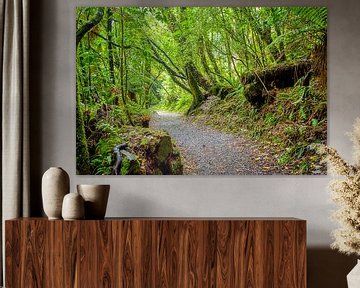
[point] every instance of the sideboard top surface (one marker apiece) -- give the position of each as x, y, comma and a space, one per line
176, 219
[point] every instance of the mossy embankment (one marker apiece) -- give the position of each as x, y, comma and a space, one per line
285, 126
145, 151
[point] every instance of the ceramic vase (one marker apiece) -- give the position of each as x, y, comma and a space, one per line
73, 207
96, 198
353, 278
55, 185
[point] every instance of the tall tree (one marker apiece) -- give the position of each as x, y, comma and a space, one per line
110, 44
82, 152
123, 80
87, 26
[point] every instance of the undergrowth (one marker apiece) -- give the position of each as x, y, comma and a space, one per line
109, 126
294, 119
180, 104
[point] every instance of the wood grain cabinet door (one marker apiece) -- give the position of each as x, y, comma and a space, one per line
141, 253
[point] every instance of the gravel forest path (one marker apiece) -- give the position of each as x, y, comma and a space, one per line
206, 151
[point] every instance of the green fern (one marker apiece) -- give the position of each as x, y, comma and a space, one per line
314, 24
315, 16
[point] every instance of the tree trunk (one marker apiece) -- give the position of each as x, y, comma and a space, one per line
122, 68
110, 46
204, 63
258, 85
211, 57
82, 151
192, 75
84, 77
265, 35
80, 33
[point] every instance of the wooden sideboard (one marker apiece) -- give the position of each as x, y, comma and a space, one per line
156, 252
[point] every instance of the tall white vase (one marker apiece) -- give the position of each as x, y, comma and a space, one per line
55, 185
353, 278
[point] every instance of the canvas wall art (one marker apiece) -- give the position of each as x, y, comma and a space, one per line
200, 90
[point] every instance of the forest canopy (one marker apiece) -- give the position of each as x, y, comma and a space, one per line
132, 61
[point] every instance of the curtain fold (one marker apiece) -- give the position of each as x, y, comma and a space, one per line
15, 154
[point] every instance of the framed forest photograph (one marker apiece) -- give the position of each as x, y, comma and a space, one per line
200, 90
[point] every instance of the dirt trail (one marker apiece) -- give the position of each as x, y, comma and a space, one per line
206, 151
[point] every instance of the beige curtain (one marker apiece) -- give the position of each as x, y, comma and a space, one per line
14, 38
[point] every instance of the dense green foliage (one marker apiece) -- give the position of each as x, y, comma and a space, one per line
132, 61
285, 128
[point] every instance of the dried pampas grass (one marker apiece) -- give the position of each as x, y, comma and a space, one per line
345, 191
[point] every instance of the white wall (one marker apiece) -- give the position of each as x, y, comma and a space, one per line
53, 124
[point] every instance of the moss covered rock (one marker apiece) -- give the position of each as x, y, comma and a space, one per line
155, 150
148, 152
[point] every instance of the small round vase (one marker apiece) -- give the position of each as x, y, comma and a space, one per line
55, 185
73, 207
96, 198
